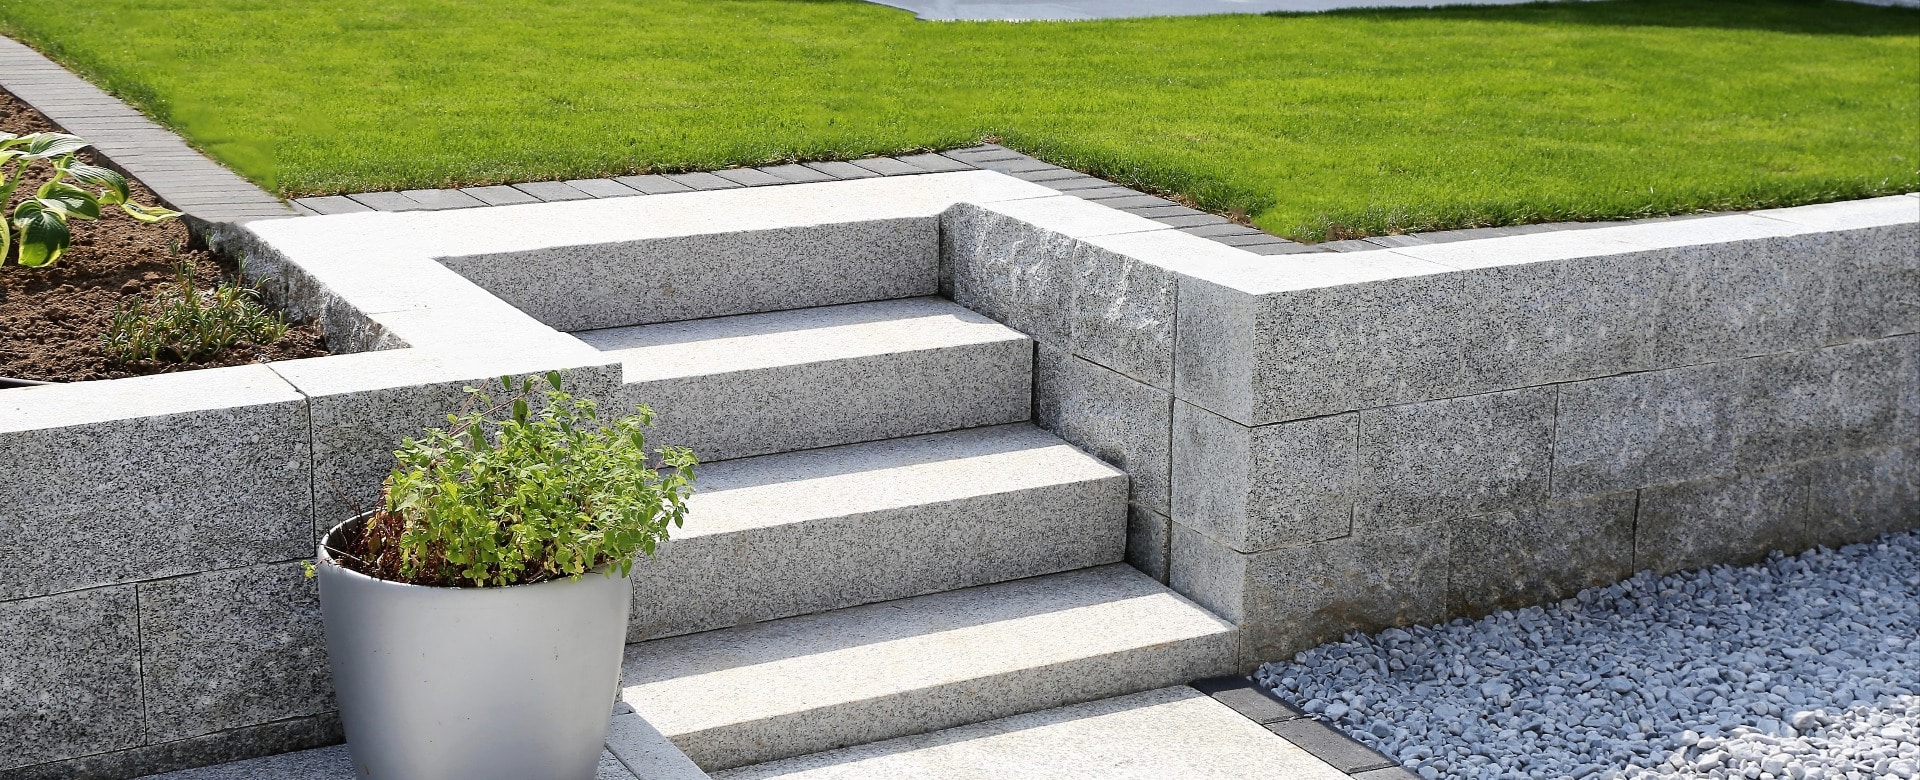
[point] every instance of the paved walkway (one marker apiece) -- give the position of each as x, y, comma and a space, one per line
1070, 10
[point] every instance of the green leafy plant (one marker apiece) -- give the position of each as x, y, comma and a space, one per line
76, 190
183, 323
510, 495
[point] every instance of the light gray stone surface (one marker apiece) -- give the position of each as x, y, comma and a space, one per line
69, 676
1335, 349
1261, 488
754, 384
1742, 298
1808, 404
1173, 732
1212, 574
125, 465
208, 750
1871, 267
1119, 420
639, 750
1299, 597
1855, 497
334, 763
1149, 542
801, 685
1629, 431
782, 535
1733, 519
1442, 460
231, 648
693, 276
1539, 554
1560, 320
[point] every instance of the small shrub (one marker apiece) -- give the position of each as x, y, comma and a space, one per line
40, 222
506, 495
182, 323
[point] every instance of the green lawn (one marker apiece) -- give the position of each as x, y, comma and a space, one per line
1316, 126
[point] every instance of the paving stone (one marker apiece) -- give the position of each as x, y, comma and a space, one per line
888, 166
1253, 702
1149, 541
642, 748
1249, 240
1109, 192
303, 210
72, 676
1158, 212
1185, 221
1624, 432
984, 152
1539, 555
797, 173
385, 201
603, 188
653, 184
156, 512
1257, 489
1169, 733
842, 170
1137, 202
936, 163
1397, 241
703, 181
1223, 228
1328, 744
1017, 165
1116, 419
1079, 184
1354, 245
435, 200
499, 195
1386, 773
231, 648
1441, 460
1282, 248
1732, 520
333, 204
1046, 175
551, 191
749, 177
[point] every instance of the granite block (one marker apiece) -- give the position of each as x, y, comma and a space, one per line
151, 476
603, 188
69, 676
1874, 273
1300, 597
1856, 497
888, 166
1257, 489
1079, 183
1555, 321
1222, 228
646, 753
499, 195
1325, 350
749, 177
1623, 432
1009, 270
1441, 460
802, 532
551, 191
701, 180
386, 201
1743, 298
712, 274
267, 739
333, 204
435, 200
1731, 520
1149, 541
1539, 554
1044, 175
1214, 337
842, 170
652, 184
1117, 419
796, 172
1810, 404
231, 648
936, 163
1212, 574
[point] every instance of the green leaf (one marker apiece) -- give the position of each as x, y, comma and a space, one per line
114, 185
73, 201
43, 234
553, 378
41, 146
148, 214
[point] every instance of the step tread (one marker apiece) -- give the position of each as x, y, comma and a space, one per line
745, 342
1174, 732
817, 682
794, 487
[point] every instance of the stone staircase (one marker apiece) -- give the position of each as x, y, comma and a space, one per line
882, 544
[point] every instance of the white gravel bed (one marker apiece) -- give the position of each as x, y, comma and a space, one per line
1799, 667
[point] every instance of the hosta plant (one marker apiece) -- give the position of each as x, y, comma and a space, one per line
508, 494
38, 224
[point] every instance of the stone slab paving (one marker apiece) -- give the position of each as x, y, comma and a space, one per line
183, 178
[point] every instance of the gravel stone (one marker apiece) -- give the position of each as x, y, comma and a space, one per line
1802, 667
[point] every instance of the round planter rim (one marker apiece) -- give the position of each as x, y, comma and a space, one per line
324, 558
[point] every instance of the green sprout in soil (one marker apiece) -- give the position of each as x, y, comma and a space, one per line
185, 324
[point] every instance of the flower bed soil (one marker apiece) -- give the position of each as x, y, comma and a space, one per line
52, 319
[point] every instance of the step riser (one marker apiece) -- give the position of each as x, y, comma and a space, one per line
706, 582
791, 408
713, 275
948, 706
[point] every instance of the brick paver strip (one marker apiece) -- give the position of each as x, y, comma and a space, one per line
1019, 165
127, 140
1329, 745
1082, 183
436, 200
703, 181
1286, 248
1245, 240
1258, 704
888, 166
1188, 220
1132, 202
1105, 193
1173, 211
936, 163
551, 191
386, 201
1049, 175
1228, 229
653, 184
797, 173
603, 188
751, 177
500, 195
1289, 722
333, 204
842, 170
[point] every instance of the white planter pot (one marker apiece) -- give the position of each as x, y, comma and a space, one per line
473, 683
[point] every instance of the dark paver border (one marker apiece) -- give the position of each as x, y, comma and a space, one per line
1289, 722
126, 140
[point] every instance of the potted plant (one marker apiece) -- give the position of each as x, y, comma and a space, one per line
475, 621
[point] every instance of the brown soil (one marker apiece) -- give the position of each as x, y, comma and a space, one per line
52, 319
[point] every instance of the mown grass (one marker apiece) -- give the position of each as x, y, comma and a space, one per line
1315, 126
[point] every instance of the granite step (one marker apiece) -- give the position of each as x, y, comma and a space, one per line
791, 534
801, 685
756, 384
